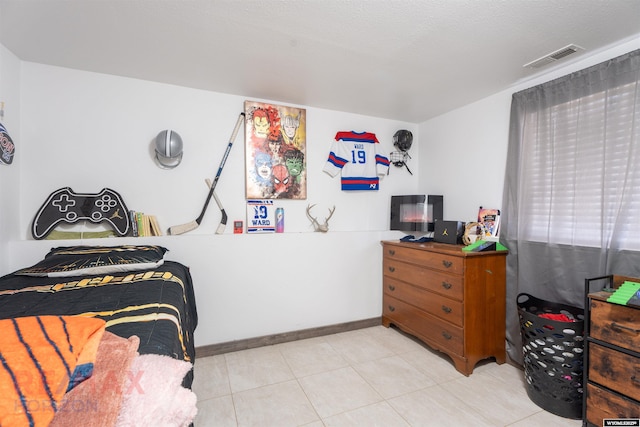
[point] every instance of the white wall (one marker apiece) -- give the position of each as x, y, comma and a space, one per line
10, 174
89, 131
463, 156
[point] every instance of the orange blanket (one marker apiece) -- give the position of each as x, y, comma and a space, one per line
40, 359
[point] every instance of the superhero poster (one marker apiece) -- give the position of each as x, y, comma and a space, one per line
275, 150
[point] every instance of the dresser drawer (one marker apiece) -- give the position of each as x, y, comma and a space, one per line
615, 324
441, 307
615, 370
438, 332
438, 261
444, 284
603, 404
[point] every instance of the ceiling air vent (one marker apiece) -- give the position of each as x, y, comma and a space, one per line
554, 56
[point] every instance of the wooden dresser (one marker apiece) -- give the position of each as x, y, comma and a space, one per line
452, 300
612, 371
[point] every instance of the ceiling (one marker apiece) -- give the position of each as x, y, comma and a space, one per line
408, 60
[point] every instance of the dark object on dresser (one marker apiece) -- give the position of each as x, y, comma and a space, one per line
448, 232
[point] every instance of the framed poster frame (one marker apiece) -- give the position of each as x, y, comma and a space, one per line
275, 151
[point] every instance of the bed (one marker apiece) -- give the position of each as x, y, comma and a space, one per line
134, 314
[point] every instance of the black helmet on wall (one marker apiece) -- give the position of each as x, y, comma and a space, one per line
168, 149
402, 140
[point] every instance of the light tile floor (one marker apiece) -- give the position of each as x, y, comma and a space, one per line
370, 377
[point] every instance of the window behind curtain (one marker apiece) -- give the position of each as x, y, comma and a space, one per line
580, 169
571, 200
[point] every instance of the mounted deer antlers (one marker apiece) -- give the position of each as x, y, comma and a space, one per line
316, 225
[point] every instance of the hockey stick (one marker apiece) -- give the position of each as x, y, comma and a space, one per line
184, 228
223, 220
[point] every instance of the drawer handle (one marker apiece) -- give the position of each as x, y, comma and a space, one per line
392, 269
392, 252
392, 288
618, 326
392, 308
446, 285
446, 335
446, 263
446, 309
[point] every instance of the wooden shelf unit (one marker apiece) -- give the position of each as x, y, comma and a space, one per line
612, 356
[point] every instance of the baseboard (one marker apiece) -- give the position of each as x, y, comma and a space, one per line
228, 347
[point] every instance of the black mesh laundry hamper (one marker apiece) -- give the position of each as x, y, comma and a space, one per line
553, 355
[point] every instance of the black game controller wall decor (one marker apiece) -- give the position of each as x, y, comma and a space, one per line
64, 205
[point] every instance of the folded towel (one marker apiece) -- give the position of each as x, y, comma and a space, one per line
39, 358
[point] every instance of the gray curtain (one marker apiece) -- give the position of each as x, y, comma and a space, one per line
543, 267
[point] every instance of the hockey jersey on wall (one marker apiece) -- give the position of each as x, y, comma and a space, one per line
358, 155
